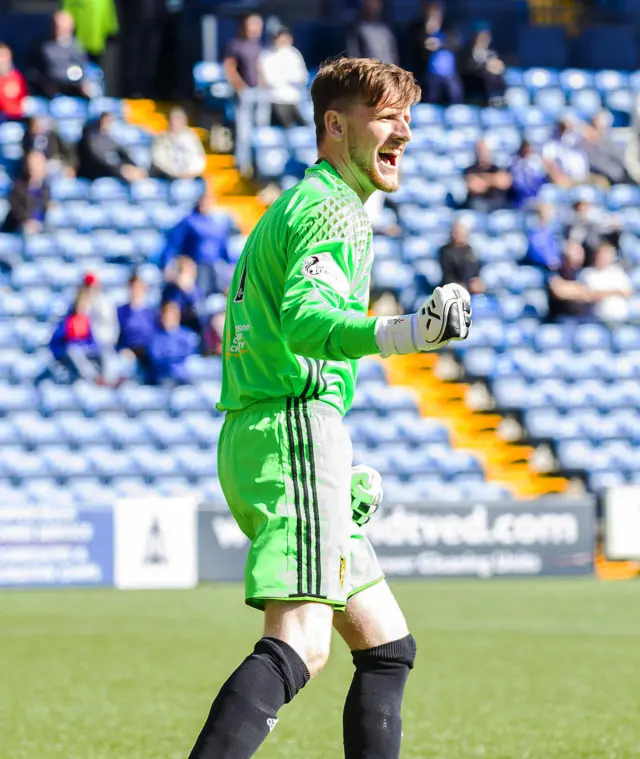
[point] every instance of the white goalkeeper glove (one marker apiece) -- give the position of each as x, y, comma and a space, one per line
366, 493
445, 316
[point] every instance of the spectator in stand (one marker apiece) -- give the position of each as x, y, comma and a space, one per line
182, 289
73, 344
434, 57
569, 299
61, 63
528, 174
103, 314
483, 71
590, 228
136, 321
242, 70
284, 73
545, 244
487, 184
178, 153
169, 348
99, 155
605, 156
41, 137
459, 262
610, 284
371, 37
29, 197
203, 237
13, 87
564, 159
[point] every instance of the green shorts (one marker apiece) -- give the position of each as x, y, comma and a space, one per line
285, 469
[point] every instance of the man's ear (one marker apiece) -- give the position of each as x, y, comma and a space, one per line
334, 125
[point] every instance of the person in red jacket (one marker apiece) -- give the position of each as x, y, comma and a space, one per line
13, 87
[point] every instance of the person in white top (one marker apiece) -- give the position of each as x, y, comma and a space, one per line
284, 73
610, 284
178, 153
564, 159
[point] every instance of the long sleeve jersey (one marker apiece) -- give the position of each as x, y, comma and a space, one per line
296, 318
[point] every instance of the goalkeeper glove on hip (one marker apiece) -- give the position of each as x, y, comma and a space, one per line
444, 317
366, 493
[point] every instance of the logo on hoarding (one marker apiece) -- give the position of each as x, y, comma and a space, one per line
155, 550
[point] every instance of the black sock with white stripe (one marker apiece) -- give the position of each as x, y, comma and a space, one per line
245, 709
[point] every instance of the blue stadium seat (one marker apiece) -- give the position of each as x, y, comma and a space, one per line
586, 102
269, 137
163, 430
47, 492
271, 162
623, 195
147, 190
94, 400
135, 399
100, 105
517, 98
572, 79
206, 73
21, 465
153, 463
195, 462
64, 463
551, 100
62, 107
17, 398
425, 114
187, 398
122, 431
108, 463
35, 106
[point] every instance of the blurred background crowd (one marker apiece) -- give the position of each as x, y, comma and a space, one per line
140, 142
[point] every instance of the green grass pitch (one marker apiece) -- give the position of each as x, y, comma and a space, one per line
528, 669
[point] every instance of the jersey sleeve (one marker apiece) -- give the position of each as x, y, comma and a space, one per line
316, 314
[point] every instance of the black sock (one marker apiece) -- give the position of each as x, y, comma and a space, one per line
245, 709
372, 724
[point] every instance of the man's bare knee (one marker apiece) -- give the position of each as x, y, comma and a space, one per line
372, 618
305, 626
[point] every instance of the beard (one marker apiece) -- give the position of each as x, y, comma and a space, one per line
369, 169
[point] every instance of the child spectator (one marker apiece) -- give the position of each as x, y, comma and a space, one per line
73, 344
183, 291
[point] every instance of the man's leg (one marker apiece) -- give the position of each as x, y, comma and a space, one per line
294, 648
383, 651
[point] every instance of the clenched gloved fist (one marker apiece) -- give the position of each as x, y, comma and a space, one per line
444, 317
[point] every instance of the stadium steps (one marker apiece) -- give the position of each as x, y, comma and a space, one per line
616, 570
235, 195
504, 462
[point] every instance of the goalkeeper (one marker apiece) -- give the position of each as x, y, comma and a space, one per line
296, 325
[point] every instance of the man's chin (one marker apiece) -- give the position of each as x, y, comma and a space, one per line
386, 184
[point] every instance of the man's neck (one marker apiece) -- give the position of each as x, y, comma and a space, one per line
346, 171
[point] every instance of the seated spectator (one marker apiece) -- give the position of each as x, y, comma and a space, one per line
610, 284
29, 197
564, 159
60, 65
178, 153
589, 227
371, 37
459, 262
606, 157
169, 348
40, 136
136, 321
73, 344
483, 71
13, 87
487, 184
545, 249
569, 299
528, 174
99, 155
434, 57
202, 237
182, 289
284, 73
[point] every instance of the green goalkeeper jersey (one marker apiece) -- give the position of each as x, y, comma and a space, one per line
296, 318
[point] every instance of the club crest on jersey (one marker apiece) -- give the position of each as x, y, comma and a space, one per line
321, 267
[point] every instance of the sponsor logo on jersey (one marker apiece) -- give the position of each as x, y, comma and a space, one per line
271, 722
321, 267
343, 570
238, 344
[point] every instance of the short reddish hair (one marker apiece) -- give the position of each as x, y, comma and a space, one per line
360, 80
